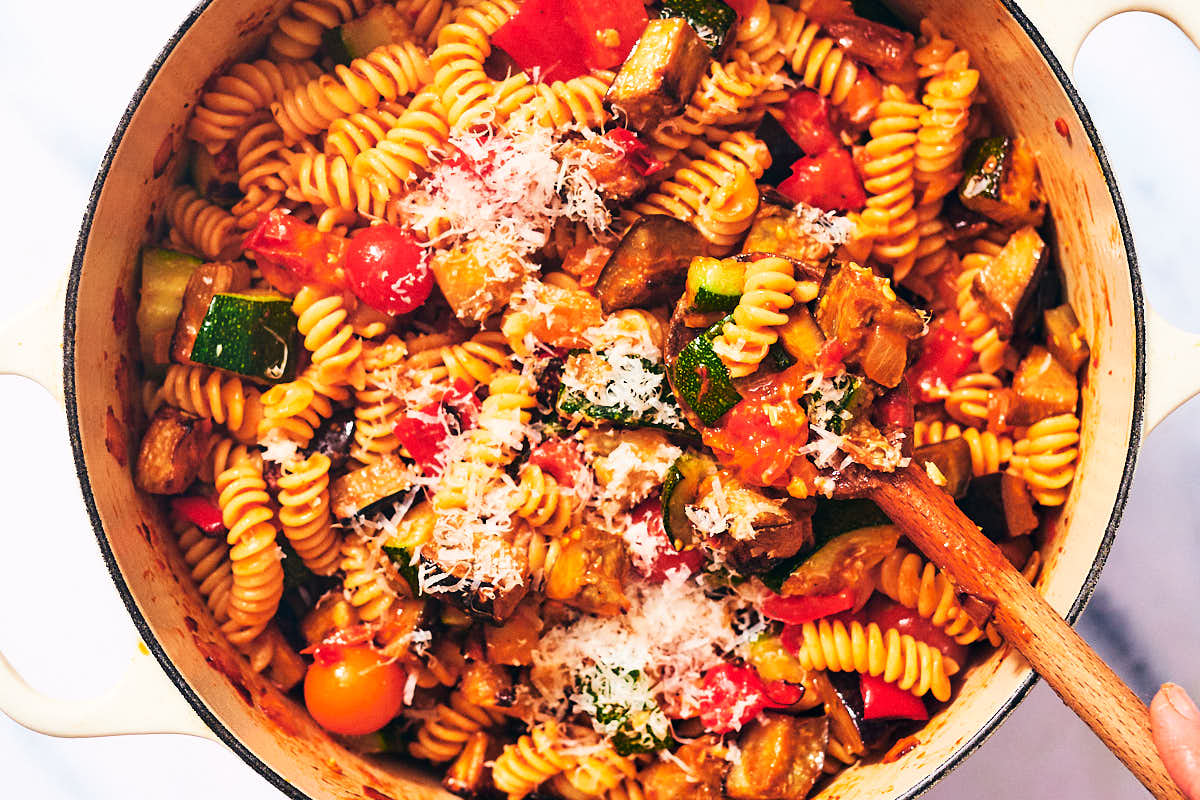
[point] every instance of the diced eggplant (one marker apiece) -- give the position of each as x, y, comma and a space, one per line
513, 642
1000, 505
658, 78
590, 573
206, 281
783, 148
215, 175
844, 706
171, 452
802, 337
354, 493
860, 310
1064, 337
1004, 285
1001, 181
1043, 387
332, 613
478, 277
763, 529
952, 458
334, 437
480, 599
697, 772
650, 264
615, 176
868, 446
879, 46
781, 758
842, 562
779, 231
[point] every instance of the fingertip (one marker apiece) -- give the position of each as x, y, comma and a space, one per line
1175, 726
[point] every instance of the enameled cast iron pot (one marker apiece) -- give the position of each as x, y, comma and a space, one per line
1140, 370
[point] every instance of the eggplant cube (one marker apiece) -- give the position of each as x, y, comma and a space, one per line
782, 757
1044, 388
1005, 284
659, 76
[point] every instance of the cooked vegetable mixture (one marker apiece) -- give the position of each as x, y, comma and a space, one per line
503, 359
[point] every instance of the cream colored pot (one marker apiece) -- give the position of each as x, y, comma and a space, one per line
1141, 369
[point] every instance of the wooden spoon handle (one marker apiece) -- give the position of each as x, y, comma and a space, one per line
931, 520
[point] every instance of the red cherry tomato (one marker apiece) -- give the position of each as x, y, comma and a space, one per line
666, 558
560, 458
388, 269
351, 690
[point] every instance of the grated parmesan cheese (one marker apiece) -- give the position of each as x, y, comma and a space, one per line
825, 227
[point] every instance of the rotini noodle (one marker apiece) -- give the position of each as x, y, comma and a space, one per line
304, 513
744, 340
199, 225
248, 87
298, 33
532, 760
214, 395
1045, 457
257, 571
444, 735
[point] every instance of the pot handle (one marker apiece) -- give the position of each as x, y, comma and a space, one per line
1172, 369
143, 700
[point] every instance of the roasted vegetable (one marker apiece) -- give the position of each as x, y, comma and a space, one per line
590, 572
614, 169
1005, 284
828, 181
478, 278
872, 325
701, 380
165, 277
622, 701
446, 576
513, 642
877, 45
253, 334
952, 459
487, 684
332, 613
622, 389
464, 777
1064, 338
842, 562
697, 772
679, 490
1001, 181
650, 264
781, 758
783, 148
215, 176
756, 530
334, 437
659, 76
713, 20
1000, 505
355, 493
835, 403
848, 724
1043, 387
171, 452
382, 25
714, 284
801, 337
206, 280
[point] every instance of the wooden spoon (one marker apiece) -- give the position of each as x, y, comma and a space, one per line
931, 520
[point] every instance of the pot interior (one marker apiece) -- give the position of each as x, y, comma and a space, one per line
271, 731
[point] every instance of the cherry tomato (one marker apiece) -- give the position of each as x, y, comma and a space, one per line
734, 695
560, 458
351, 690
388, 270
665, 558
945, 357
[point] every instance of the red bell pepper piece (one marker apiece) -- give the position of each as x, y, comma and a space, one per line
894, 410
291, 253
666, 558
883, 700
636, 152
733, 695
828, 181
945, 356
424, 433
200, 511
806, 120
799, 610
563, 39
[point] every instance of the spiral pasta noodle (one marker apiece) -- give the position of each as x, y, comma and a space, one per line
578, 101
818, 62
444, 735
293, 411
1045, 458
408, 148
427, 18
744, 341
376, 407
336, 349
244, 89
214, 395
209, 567
887, 168
990, 348
899, 658
941, 138
595, 775
257, 571
540, 502
473, 362
503, 415
990, 452
533, 759
350, 135
304, 513
462, 47
198, 224
915, 583
221, 454
969, 397
298, 33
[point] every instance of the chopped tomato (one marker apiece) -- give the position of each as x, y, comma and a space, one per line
353, 690
733, 695
564, 39
291, 253
666, 558
200, 511
806, 120
760, 436
637, 153
946, 353
831, 355
388, 269
560, 458
883, 700
425, 432
828, 181
799, 610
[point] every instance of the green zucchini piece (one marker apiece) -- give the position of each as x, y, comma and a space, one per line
658, 78
649, 266
625, 390
842, 561
835, 403
714, 284
701, 378
401, 557
250, 334
165, 275
1000, 181
1005, 286
713, 20
382, 25
679, 490
831, 519
622, 701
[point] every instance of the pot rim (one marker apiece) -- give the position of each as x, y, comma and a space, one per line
278, 781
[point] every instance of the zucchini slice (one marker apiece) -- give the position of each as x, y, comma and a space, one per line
836, 403
1000, 181
842, 561
713, 20
625, 390
382, 25
250, 334
714, 284
165, 275
680, 489
701, 379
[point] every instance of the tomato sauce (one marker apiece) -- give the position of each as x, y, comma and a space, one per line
761, 436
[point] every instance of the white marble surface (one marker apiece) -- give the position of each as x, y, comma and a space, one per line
70, 68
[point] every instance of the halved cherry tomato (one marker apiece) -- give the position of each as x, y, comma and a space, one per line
883, 700
666, 558
637, 152
388, 269
424, 433
828, 181
352, 690
801, 609
733, 695
291, 253
945, 356
806, 120
560, 458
